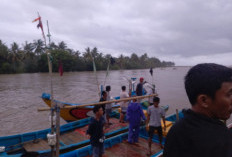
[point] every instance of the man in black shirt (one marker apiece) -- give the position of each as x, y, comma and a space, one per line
139, 87
96, 133
103, 98
201, 133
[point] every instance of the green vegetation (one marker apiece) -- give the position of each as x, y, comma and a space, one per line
32, 58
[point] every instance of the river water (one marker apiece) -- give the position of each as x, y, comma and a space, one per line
20, 93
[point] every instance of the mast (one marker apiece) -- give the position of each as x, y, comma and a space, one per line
54, 107
53, 138
49, 58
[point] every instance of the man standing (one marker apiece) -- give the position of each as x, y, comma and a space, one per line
155, 113
95, 132
201, 132
134, 116
123, 104
139, 88
103, 98
108, 106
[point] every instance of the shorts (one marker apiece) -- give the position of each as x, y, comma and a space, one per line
152, 129
108, 111
123, 110
98, 150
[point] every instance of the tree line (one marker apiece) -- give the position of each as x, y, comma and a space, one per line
32, 58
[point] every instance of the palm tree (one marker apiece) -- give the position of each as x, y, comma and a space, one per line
3, 52
39, 47
28, 50
15, 55
62, 45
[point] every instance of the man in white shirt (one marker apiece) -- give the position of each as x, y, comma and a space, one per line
123, 104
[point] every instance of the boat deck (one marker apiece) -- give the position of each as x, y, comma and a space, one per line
126, 149
71, 137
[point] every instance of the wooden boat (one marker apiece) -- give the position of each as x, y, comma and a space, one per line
72, 114
72, 137
118, 145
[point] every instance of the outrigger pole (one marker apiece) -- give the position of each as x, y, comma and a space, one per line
101, 103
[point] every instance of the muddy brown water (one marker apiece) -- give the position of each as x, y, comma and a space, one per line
20, 93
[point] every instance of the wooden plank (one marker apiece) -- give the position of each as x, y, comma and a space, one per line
79, 134
126, 149
72, 137
40, 144
115, 126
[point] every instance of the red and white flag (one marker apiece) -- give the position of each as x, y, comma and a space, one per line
40, 25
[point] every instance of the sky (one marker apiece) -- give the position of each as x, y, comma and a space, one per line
186, 32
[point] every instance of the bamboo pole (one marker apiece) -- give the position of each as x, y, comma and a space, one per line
101, 103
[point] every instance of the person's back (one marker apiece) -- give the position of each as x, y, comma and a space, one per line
123, 104
201, 132
134, 116
135, 113
108, 89
156, 114
123, 95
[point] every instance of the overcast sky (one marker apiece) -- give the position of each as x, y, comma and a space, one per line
186, 32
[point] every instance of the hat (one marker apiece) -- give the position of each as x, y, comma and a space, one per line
141, 79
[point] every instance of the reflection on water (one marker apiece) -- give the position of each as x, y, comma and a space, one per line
20, 93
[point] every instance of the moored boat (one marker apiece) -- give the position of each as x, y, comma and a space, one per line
71, 112
118, 145
72, 137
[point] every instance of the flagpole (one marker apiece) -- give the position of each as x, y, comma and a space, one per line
53, 107
49, 58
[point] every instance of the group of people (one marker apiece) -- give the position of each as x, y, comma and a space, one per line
201, 133
131, 111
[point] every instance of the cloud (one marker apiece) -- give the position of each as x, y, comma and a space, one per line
185, 32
